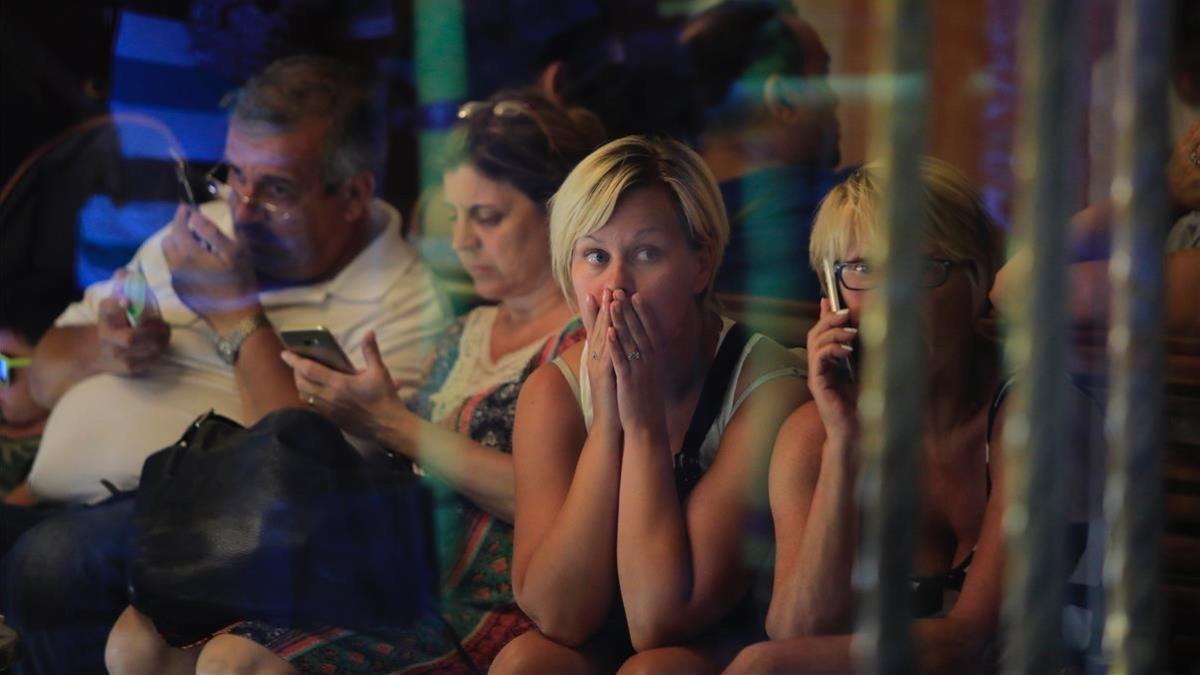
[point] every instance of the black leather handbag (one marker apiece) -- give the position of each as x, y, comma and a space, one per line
283, 522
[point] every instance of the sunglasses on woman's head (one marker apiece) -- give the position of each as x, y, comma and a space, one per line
506, 109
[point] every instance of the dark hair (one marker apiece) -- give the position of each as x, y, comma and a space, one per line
299, 88
521, 137
738, 39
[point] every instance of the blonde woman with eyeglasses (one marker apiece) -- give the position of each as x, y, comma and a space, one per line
959, 549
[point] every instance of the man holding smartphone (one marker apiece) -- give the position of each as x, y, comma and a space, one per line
294, 239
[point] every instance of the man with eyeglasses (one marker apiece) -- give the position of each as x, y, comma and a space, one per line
293, 239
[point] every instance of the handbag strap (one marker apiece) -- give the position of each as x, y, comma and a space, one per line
716, 384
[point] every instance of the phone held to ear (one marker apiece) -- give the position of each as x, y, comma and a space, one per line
319, 345
835, 304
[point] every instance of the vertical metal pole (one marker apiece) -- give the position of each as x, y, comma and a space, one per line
440, 60
889, 408
1046, 170
1133, 498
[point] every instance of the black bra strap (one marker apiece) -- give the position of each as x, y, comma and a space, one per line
716, 384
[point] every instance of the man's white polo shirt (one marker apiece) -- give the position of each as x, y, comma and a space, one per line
105, 426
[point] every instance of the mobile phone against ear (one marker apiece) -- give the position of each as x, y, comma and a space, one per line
831, 285
835, 304
319, 345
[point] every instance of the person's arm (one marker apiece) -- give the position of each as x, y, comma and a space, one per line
955, 643
484, 475
682, 567
218, 283
564, 558
366, 404
816, 524
264, 381
812, 493
69, 354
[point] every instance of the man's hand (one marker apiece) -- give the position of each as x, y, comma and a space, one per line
124, 349
211, 273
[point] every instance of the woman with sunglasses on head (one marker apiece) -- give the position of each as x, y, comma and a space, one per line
505, 158
641, 455
959, 551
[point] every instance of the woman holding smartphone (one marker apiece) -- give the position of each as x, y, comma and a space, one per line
958, 559
641, 454
506, 157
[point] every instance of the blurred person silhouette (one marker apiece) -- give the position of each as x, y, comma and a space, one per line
624, 63
770, 136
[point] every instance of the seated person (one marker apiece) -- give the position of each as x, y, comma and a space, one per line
504, 160
21, 420
297, 241
1090, 298
641, 455
958, 559
770, 137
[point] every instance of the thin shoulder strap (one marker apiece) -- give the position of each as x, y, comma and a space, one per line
993, 410
716, 384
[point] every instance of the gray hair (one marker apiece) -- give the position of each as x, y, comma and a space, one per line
299, 88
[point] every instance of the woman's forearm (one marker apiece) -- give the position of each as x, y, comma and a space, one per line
813, 594
568, 584
943, 647
654, 557
484, 475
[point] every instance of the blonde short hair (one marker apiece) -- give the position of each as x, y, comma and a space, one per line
956, 224
587, 198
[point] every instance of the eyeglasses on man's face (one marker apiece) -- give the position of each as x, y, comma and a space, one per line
860, 275
277, 197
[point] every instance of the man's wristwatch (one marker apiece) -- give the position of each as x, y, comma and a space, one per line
229, 345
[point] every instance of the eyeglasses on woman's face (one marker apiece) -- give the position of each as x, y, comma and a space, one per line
860, 275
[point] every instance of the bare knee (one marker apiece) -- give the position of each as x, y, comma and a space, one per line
233, 655
667, 660
536, 653
134, 646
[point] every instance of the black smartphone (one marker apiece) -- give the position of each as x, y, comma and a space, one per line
319, 345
